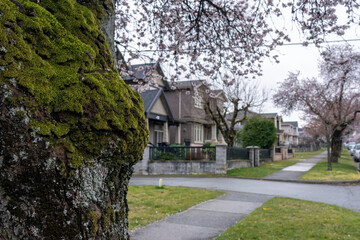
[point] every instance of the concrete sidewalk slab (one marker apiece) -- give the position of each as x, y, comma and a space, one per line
226, 206
295, 171
316, 158
245, 197
300, 167
206, 220
174, 231
285, 175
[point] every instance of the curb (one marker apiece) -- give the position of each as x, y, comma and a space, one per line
349, 182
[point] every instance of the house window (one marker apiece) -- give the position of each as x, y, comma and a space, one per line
198, 102
158, 137
198, 133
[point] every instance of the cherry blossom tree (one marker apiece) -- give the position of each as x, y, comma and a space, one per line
206, 37
334, 101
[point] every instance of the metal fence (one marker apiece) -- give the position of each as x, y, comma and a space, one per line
183, 153
233, 153
265, 153
308, 147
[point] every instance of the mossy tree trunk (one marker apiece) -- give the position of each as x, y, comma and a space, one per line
70, 128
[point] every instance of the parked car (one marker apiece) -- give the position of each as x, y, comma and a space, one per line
356, 152
350, 145
353, 148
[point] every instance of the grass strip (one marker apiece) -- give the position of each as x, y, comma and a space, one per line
306, 155
286, 218
262, 171
150, 203
270, 168
344, 170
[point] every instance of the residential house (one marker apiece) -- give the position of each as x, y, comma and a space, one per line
291, 133
158, 115
194, 127
149, 80
149, 74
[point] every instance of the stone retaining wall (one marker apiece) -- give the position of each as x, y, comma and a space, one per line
184, 167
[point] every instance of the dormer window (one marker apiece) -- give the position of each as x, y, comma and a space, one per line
198, 102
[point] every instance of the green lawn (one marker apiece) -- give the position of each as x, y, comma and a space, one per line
342, 171
262, 171
285, 218
305, 155
270, 168
149, 203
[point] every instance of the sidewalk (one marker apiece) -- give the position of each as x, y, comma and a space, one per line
295, 171
206, 220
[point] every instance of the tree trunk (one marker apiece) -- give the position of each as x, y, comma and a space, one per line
336, 144
70, 128
329, 154
230, 139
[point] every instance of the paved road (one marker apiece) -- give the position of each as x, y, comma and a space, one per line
343, 196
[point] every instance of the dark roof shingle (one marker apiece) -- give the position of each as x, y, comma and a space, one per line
149, 97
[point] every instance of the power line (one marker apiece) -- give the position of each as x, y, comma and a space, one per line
331, 41
285, 44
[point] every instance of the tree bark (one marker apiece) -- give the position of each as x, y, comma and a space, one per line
328, 145
336, 144
70, 128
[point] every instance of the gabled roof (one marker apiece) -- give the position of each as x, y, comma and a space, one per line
241, 114
151, 96
141, 71
268, 115
187, 84
252, 114
294, 123
190, 84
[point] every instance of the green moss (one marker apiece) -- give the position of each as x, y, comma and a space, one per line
50, 127
109, 217
57, 53
93, 222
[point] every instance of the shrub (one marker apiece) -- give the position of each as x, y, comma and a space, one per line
259, 132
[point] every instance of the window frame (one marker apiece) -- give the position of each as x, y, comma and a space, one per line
198, 102
157, 135
198, 133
